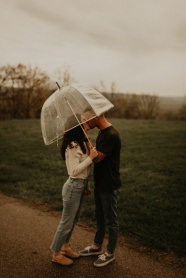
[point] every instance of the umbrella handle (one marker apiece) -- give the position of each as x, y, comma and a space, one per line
89, 141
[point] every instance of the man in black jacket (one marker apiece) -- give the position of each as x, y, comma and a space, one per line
106, 191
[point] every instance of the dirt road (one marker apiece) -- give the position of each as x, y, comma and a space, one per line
25, 236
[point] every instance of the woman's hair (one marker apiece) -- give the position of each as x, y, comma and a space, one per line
73, 135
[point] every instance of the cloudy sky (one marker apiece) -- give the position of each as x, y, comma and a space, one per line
138, 44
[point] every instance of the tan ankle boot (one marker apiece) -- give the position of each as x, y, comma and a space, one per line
60, 259
70, 253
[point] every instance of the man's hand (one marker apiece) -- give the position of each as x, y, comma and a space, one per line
87, 190
100, 157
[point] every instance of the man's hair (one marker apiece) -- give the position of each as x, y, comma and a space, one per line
89, 109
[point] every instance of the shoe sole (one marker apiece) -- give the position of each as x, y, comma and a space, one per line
55, 261
103, 264
91, 254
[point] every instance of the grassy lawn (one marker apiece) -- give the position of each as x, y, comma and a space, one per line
153, 170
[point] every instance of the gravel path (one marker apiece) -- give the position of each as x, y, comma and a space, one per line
25, 236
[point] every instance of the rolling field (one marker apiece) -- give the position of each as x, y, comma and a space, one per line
153, 170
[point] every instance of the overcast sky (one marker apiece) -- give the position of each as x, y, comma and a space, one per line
139, 44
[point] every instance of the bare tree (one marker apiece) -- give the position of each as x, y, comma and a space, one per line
24, 90
182, 111
102, 88
9, 93
5, 72
148, 106
64, 77
132, 107
34, 83
113, 88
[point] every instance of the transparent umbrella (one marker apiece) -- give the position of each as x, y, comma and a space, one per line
69, 107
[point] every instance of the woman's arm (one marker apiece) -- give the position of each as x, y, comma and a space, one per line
75, 165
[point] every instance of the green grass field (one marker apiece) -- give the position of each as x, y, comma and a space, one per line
153, 170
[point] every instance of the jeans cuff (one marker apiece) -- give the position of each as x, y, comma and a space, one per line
97, 244
109, 252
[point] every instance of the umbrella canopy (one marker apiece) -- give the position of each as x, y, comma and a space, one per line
68, 107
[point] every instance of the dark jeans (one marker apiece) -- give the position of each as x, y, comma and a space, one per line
106, 216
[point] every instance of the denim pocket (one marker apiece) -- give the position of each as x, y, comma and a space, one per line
78, 184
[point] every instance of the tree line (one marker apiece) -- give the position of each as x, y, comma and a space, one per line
24, 89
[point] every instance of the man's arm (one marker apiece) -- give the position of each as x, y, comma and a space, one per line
100, 157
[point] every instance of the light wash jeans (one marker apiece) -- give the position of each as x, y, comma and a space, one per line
73, 193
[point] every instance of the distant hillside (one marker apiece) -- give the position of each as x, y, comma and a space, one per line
171, 103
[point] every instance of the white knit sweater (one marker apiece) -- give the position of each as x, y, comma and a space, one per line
78, 164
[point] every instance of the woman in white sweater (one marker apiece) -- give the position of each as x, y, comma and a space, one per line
78, 156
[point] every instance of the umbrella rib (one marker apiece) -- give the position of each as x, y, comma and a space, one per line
79, 123
85, 98
79, 102
78, 120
